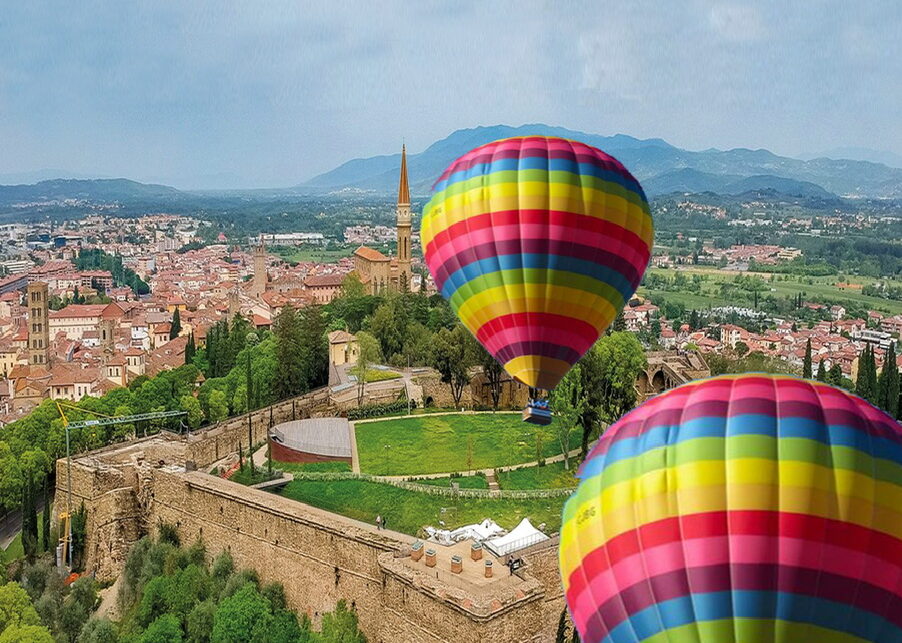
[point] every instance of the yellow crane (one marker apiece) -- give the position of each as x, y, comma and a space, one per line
65, 542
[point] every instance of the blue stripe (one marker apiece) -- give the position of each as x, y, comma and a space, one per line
541, 163
718, 606
520, 261
746, 424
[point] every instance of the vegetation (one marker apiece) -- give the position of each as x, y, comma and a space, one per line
439, 443
96, 259
549, 476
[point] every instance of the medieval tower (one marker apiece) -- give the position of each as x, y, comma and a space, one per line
403, 221
37, 298
258, 283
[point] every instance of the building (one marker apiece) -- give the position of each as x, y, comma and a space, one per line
76, 319
38, 300
260, 277
378, 272
343, 348
324, 288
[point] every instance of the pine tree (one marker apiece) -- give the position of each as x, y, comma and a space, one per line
888, 384
176, 327
806, 363
821, 371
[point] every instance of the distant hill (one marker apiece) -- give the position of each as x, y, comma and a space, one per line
653, 161
858, 154
694, 181
100, 190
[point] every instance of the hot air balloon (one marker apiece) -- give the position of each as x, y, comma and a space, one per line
739, 509
537, 243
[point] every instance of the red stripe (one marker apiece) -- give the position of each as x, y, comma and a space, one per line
534, 321
557, 218
741, 523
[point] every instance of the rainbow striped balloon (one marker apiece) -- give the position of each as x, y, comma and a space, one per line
537, 243
740, 509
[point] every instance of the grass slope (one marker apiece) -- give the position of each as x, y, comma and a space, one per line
551, 476
408, 511
438, 444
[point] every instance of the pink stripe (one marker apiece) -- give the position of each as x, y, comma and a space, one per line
439, 255
552, 334
700, 552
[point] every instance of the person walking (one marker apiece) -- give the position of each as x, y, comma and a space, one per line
378, 522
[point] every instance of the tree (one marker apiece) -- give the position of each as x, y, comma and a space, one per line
388, 326
866, 382
176, 327
292, 358
243, 616
568, 401
492, 370
340, 626
888, 384
98, 630
249, 382
834, 375
451, 357
29, 519
619, 323
368, 353
26, 634
15, 607
821, 371
622, 359
191, 406
165, 629
742, 349
218, 405
806, 363
45, 521
190, 349
417, 344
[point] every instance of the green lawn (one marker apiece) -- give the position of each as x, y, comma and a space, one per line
439, 444
465, 482
313, 253
409, 511
551, 476
243, 476
317, 467
15, 551
376, 375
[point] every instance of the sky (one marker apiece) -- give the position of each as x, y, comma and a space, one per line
269, 94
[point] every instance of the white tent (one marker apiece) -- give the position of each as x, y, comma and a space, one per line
478, 532
523, 535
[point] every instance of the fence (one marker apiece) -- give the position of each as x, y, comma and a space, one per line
435, 490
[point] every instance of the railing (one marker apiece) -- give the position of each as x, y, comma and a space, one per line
433, 489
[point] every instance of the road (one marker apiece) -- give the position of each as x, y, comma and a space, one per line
11, 524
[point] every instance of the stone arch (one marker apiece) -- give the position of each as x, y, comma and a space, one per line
643, 385
658, 382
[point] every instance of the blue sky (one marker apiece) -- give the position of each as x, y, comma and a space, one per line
271, 93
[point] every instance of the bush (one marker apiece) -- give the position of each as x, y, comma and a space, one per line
98, 630
378, 410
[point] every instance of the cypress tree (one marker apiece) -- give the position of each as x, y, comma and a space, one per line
176, 327
888, 384
45, 522
249, 374
834, 375
872, 377
190, 349
821, 372
806, 363
29, 519
863, 380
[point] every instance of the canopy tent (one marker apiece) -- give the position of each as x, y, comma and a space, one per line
478, 532
523, 535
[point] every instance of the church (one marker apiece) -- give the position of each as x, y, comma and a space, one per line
377, 272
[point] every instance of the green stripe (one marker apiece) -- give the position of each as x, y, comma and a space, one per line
751, 630
540, 176
543, 276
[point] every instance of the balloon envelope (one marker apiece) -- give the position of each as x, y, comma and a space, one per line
537, 243
739, 509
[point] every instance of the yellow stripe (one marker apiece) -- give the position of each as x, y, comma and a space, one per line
488, 304
537, 370
739, 484
539, 196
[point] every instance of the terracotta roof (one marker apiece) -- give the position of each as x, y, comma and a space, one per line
340, 337
324, 281
370, 254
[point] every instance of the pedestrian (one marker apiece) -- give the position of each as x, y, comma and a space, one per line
384, 521
378, 522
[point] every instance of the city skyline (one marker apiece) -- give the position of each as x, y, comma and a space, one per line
270, 97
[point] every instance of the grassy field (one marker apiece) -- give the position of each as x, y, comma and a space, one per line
821, 288
316, 467
551, 476
409, 511
14, 551
465, 482
376, 375
438, 444
302, 254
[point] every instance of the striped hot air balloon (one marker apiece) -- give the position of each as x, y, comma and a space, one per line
739, 509
537, 243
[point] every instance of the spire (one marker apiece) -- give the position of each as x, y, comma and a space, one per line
403, 188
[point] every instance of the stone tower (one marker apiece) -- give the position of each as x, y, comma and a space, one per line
258, 284
38, 300
403, 211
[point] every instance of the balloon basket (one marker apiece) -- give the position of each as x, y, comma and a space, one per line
537, 412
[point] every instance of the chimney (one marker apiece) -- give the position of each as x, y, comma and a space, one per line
430, 558
457, 564
488, 569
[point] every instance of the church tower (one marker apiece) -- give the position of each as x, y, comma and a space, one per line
36, 297
258, 283
403, 211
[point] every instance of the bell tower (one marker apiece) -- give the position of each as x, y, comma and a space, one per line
259, 278
403, 221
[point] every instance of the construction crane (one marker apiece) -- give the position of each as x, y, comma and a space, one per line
65, 543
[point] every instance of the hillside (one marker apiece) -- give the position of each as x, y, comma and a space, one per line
652, 160
100, 190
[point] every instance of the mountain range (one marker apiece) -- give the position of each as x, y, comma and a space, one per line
660, 166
